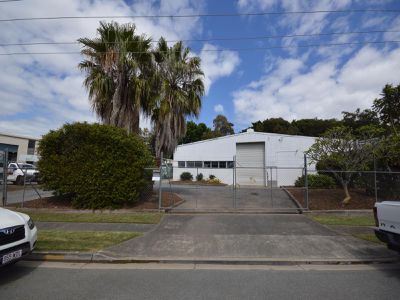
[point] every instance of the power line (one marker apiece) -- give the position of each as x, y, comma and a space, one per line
217, 38
220, 50
10, 0
208, 15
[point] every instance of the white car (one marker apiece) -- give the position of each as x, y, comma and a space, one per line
18, 235
17, 172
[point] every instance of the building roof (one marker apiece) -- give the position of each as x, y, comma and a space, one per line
248, 133
20, 136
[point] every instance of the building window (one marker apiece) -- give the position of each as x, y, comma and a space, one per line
31, 147
181, 164
190, 164
222, 164
230, 164
214, 164
207, 164
198, 164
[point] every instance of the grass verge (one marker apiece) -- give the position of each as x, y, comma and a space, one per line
49, 240
139, 218
343, 220
370, 237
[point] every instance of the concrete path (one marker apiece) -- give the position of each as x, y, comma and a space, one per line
246, 237
95, 226
223, 197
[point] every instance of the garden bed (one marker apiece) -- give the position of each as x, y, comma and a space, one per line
148, 202
331, 199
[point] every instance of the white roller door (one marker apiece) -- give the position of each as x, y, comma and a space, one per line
250, 163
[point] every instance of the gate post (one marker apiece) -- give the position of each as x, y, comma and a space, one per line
375, 181
160, 184
5, 174
305, 181
234, 181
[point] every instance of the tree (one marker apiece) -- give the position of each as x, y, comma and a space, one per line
274, 125
195, 132
118, 67
222, 126
360, 118
180, 87
388, 107
340, 152
313, 127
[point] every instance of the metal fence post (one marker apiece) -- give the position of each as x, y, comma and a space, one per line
375, 181
4, 179
234, 181
270, 186
160, 184
305, 180
23, 194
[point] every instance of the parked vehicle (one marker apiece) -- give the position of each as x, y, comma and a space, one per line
18, 235
17, 172
387, 220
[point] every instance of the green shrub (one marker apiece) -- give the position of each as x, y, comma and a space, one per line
212, 177
214, 181
199, 177
316, 181
98, 166
186, 176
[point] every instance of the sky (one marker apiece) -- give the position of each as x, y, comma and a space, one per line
247, 80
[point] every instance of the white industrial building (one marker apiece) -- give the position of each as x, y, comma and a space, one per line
261, 159
19, 148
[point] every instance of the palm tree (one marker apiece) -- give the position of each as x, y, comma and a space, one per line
180, 89
119, 67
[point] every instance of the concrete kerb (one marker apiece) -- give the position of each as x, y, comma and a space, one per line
98, 257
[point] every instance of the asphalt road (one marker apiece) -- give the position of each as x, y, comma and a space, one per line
74, 281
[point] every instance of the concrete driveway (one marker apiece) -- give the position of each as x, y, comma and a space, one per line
246, 237
223, 197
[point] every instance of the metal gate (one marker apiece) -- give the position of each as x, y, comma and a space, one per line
206, 189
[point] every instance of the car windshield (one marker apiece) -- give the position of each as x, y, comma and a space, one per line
26, 166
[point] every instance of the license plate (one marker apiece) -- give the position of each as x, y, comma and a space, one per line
11, 256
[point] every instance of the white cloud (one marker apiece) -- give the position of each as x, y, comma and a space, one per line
324, 90
217, 64
219, 108
40, 92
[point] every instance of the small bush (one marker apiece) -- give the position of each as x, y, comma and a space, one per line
316, 181
199, 177
96, 166
186, 176
214, 181
212, 177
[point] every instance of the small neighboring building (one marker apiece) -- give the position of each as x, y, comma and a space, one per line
19, 148
261, 159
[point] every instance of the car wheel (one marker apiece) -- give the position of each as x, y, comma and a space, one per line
20, 180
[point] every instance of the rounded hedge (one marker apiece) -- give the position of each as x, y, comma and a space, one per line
199, 177
186, 176
98, 166
316, 181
